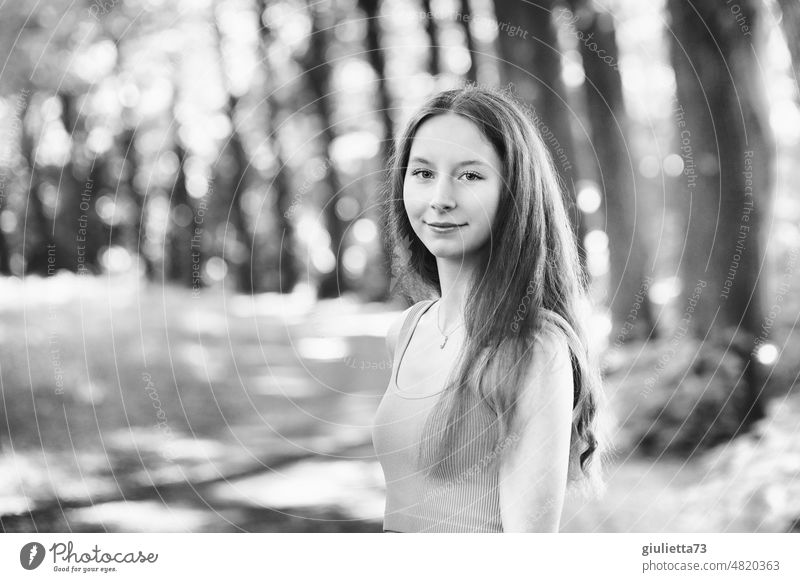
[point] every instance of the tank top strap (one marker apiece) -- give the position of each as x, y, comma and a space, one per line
409, 324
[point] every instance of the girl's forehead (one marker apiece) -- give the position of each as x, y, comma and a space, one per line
450, 136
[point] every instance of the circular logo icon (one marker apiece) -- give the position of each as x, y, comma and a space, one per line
31, 555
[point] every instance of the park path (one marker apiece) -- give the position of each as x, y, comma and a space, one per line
242, 414
231, 414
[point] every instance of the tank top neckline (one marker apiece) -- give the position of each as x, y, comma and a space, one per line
407, 341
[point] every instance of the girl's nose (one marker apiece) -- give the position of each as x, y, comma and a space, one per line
443, 194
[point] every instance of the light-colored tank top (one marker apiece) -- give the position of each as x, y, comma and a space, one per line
465, 498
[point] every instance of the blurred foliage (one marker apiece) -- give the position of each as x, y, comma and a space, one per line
684, 399
753, 483
679, 397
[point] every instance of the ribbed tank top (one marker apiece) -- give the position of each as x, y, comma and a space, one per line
465, 498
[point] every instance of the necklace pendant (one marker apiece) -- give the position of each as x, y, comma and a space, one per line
441, 347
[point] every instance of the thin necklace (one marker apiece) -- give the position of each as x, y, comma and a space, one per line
446, 336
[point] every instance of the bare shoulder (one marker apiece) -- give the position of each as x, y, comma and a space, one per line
549, 386
394, 331
551, 351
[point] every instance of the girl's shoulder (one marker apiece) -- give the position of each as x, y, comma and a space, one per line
396, 327
555, 337
553, 327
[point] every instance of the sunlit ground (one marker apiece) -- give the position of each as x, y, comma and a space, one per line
136, 408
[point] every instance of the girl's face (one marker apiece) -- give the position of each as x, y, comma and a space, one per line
452, 186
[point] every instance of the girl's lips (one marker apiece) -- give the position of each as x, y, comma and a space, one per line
443, 227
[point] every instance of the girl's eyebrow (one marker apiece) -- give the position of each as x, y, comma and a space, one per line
420, 160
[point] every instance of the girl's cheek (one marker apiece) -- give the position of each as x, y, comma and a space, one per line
414, 202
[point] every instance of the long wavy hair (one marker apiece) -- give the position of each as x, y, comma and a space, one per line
529, 282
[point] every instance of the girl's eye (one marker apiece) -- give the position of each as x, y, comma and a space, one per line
423, 173
472, 176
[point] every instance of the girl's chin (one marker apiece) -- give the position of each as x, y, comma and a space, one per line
450, 252
437, 246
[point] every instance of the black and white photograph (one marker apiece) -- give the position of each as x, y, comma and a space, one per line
399, 266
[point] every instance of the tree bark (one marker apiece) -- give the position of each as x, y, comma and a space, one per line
378, 63
287, 260
318, 72
184, 253
531, 60
371, 10
728, 156
432, 30
130, 169
5, 263
78, 227
790, 9
469, 41
625, 221
234, 180
39, 230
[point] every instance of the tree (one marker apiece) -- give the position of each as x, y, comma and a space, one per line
38, 233
465, 19
287, 263
232, 176
5, 254
609, 123
183, 256
130, 168
378, 63
432, 30
727, 152
318, 71
790, 10
531, 61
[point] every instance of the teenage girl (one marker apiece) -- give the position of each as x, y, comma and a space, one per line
491, 411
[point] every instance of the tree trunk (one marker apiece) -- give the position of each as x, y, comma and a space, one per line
790, 9
376, 59
247, 270
5, 251
469, 41
317, 69
378, 62
39, 236
432, 30
78, 227
531, 60
287, 260
727, 153
5, 263
183, 253
130, 169
625, 219
235, 180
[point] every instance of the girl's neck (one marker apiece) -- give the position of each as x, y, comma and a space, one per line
454, 279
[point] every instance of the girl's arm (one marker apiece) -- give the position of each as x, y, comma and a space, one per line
533, 467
